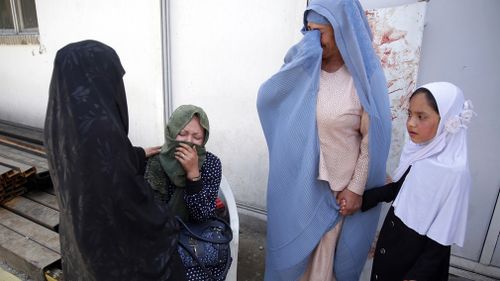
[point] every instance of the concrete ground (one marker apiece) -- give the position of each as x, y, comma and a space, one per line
7, 273
251, 253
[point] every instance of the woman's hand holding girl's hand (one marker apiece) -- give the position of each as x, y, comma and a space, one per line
349, 202
188, 157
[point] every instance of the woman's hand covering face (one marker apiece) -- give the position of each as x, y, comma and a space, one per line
188, 157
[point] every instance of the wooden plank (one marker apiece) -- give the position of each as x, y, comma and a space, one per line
10, 175
6, 276
25, 255
18, 181
27, 133
44, 198
11, 195
30, 230
23, 145
13, 163
34, 211
54, 274
14, 191
39, 162
4, 170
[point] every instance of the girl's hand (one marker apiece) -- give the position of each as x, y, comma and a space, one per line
188, 157
388, 179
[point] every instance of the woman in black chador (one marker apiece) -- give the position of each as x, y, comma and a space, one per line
110, 226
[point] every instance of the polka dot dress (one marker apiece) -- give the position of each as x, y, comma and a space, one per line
200, 205
197, 274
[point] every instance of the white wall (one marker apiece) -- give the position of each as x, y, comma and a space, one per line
463, 48
132, 28
460, 45
221, 52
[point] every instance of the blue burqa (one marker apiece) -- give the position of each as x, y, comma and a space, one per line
301, 208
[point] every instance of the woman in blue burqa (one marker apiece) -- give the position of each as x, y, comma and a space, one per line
111, 227
327, 123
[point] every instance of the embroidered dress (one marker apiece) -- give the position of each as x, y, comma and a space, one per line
343, 133
343, 137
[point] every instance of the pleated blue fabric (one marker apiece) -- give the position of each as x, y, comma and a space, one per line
301, 208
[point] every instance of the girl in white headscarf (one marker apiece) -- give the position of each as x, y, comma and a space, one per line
430, 189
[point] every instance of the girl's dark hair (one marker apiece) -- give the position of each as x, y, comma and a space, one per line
428, 95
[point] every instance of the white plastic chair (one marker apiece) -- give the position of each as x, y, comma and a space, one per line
226, 195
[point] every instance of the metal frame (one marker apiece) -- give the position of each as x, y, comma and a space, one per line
20, 20
473, 270
482, 269
491, 236
17, 18
15, 28
18, 35
166, 59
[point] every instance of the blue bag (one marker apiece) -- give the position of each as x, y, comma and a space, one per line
206, 245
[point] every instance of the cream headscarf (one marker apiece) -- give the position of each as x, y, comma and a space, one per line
434, 197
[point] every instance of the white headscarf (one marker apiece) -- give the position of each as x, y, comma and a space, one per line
434, 197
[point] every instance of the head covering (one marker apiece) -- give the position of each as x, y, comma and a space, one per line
177, 121
434, 197
300, 207
313, 17
110, 226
